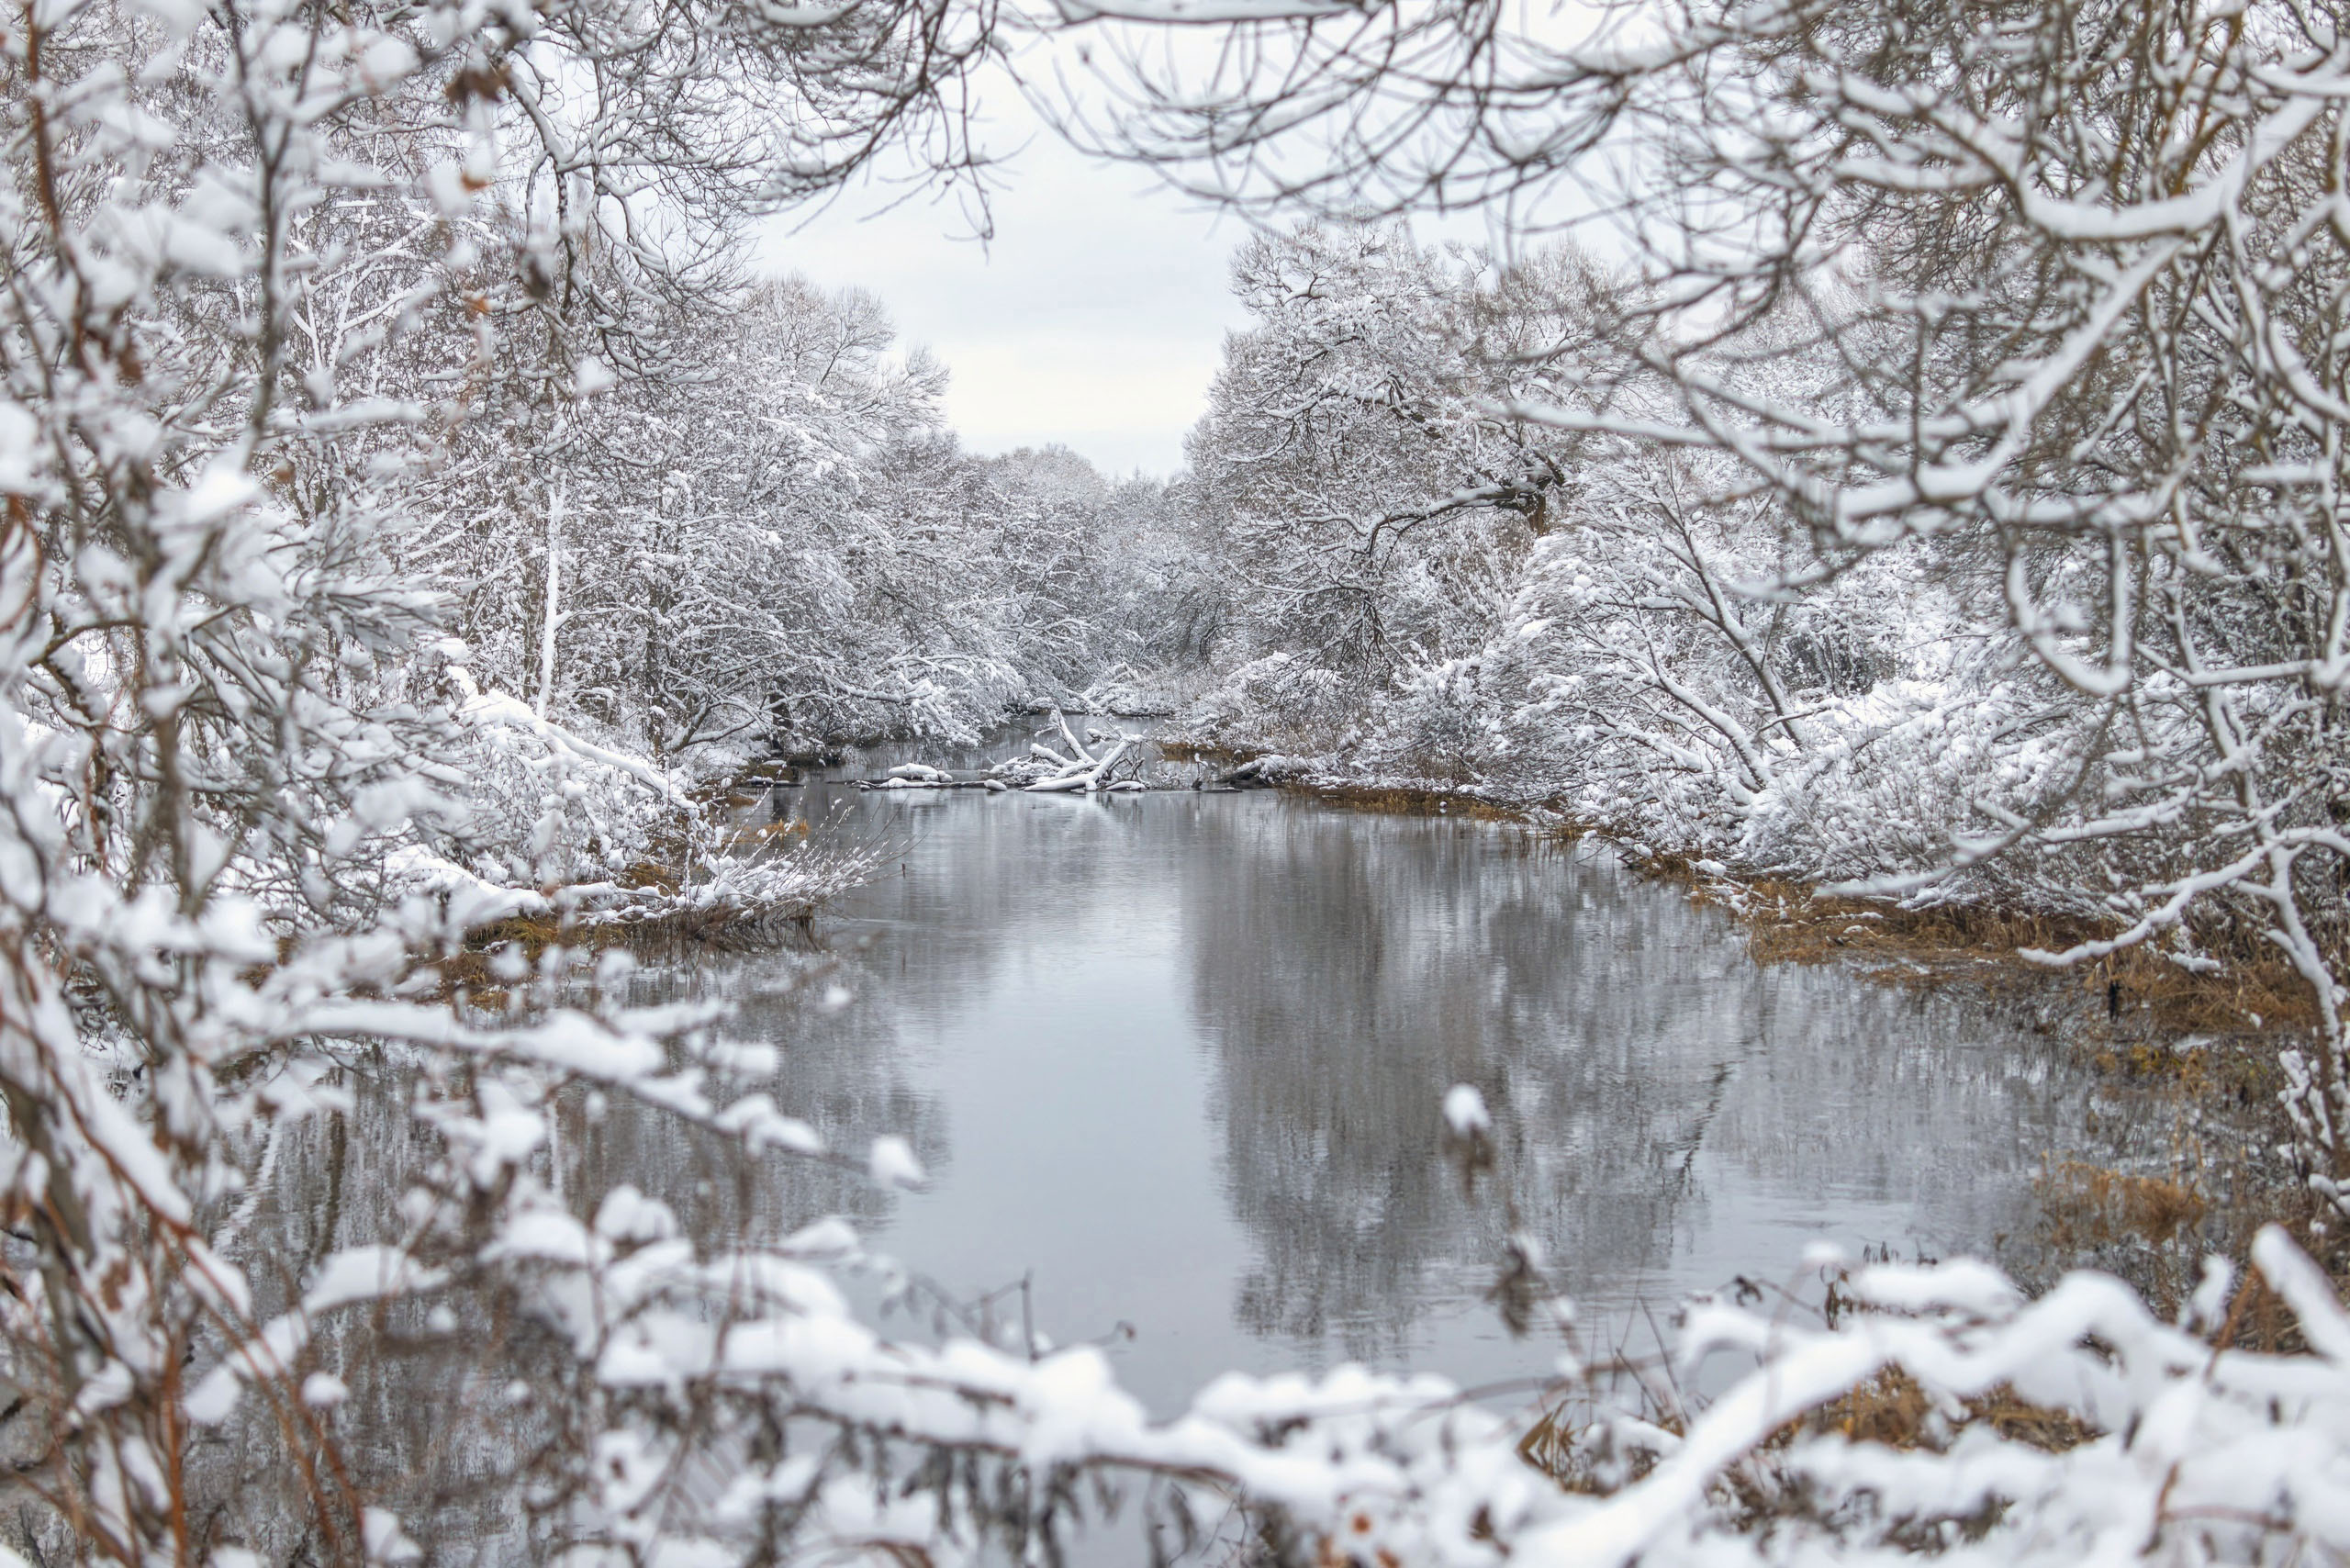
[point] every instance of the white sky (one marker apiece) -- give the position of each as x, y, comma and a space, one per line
1095, 318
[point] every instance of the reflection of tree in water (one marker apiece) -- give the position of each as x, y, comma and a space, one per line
447, 1409
1348, 970
1646, 1078
837, 1070
905, 946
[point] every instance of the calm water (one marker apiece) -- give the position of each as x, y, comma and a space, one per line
1178, 1060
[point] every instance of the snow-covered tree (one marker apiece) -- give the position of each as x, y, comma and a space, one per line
1354, 477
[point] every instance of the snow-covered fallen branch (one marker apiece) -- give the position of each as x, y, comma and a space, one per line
919, 776
1081, 768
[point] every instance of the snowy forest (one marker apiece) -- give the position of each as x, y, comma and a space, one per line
1891, 459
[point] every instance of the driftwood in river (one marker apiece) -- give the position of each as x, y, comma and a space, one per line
1047, 771
1082, 768
1089, 768
1262, 772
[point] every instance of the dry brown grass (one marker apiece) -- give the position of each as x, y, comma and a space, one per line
1787, 921
2091, 1206
1891, 1409
2243, 1072
2259, 1320
1573, 1455
1549, 1446
473, 967
2157, 1230
470, 970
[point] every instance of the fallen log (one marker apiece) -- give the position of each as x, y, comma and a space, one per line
1263, 772
1046, 770
1090, 775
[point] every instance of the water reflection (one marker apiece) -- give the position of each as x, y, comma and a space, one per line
1671, 1114
1176, 1061
1177, 1058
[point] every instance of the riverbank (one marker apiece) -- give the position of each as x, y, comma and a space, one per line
765, 891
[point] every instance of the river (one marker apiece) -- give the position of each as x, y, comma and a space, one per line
1175, 1063
1176, 1060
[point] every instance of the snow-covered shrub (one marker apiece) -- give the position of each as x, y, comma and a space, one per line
261, 260
1435, 725
2145, 1441
1279, 702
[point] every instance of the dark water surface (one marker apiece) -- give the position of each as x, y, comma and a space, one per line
1178, 1060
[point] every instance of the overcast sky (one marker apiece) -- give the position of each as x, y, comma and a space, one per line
1095, 318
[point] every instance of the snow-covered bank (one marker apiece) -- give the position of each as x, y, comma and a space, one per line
574, 837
